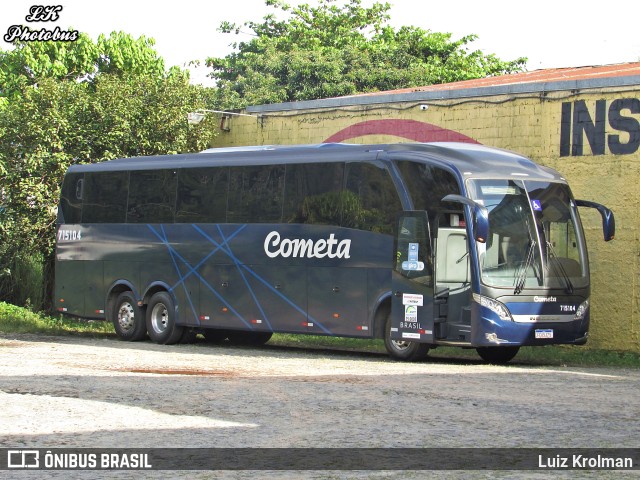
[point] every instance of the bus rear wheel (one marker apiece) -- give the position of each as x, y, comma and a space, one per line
128, 318
161, 320
497, 354
402, 349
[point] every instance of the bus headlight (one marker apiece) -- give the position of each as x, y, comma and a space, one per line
495, 306
582, 310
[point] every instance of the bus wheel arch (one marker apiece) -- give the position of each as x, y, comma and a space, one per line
114, 291
382, 312
154, 288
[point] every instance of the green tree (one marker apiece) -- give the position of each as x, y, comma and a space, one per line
330, 50
82, 59
117, 104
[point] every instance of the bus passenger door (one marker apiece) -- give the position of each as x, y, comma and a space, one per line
412, 311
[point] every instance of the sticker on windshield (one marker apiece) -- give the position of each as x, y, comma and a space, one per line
413, 266
412, 263
537, 206
413, 252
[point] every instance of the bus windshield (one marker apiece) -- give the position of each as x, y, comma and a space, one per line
535, 239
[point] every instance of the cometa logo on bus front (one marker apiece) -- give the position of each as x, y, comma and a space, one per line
275, 246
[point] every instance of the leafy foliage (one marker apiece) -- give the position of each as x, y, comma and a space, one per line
82, 59
332, 50
80, 108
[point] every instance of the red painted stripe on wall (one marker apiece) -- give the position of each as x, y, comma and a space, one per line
409, 129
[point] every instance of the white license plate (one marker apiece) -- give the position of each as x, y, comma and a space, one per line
544, 333
415, 336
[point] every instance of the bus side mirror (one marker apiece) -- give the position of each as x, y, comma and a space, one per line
480, 216
608, 220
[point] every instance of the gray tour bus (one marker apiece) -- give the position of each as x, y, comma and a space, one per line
419, 244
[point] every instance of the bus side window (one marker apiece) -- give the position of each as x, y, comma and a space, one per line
427, 186
202, 195
373, 203
152, 196
71, 198
105, 197
255, 194
313, 193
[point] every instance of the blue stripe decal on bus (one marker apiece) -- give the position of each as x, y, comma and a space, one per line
204, 282
172, 254
207, 257
228, 251
270, 287
225, 248
262, 280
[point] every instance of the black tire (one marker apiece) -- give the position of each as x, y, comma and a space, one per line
161, 320
249, 338
402, 349
128, 318
498, 355
215, 335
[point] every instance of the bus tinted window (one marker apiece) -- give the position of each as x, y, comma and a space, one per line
427, 186
255, 194
314, 193
152, 196
370, 201
71, 198
202, 195
105, 198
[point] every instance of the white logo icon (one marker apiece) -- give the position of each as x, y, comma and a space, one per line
23, 459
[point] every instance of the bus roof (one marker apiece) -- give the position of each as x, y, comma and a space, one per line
471, 160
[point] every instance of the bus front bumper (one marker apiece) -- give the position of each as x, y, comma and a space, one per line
489, 330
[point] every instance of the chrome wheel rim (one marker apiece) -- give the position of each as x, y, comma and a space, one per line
159, 318
126, 316
400, 344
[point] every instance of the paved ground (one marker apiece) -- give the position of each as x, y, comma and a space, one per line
78, 392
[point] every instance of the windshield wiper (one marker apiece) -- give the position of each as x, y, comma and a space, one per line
522, 277
529, 262
559, 268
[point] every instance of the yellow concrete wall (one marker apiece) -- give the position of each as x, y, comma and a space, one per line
531, 125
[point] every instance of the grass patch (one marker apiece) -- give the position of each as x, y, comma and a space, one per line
21, 320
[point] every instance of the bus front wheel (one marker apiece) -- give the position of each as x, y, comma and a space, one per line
497, 354
128, 318
402, 349
161, 320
